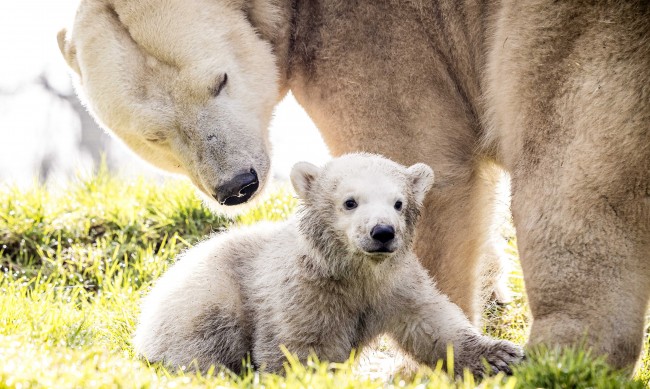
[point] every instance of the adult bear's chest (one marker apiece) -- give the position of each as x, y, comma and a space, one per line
377, 76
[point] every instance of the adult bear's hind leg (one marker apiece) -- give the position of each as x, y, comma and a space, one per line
570, 90
584, 245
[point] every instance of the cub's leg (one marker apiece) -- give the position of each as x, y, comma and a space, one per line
573, 111
424, 322
193, 316
323, 329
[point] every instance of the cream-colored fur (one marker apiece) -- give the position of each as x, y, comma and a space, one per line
570, 119
323, 283
556, 93
160, 97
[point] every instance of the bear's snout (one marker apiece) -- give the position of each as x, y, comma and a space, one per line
384, 234
237, 190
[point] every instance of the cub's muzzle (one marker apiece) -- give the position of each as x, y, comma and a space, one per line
382, 235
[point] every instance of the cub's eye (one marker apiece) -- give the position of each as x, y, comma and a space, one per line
398, 205
350, 204
219, 85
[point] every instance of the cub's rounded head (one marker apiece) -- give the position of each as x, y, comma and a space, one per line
364, 203
193, 98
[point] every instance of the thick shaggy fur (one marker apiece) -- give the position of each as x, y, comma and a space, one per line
555, 92
314, 284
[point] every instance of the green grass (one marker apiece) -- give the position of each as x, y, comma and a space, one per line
76, 261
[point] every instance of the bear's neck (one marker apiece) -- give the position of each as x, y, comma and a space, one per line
299, 30
326, 254
274, 22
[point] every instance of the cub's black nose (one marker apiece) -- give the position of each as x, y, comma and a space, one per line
238, 190
383, 233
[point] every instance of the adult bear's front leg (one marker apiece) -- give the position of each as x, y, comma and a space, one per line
452, 234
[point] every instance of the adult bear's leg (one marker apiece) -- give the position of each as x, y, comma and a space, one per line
584, 241
573, 124
452, 235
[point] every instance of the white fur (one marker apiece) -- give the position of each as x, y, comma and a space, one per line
158, 96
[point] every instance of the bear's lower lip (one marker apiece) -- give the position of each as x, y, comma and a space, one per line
381, 250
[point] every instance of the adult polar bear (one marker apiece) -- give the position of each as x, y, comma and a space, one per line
553, 92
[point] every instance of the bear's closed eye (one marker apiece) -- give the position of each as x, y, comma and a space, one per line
215, 90
155, 137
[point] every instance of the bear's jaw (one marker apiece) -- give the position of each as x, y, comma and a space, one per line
377, 258
343, 266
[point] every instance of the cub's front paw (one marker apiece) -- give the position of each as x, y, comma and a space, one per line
476, 350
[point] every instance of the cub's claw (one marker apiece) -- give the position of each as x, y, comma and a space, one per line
500, 355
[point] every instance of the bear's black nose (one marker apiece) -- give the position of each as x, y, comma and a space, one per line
238, 190
383, 233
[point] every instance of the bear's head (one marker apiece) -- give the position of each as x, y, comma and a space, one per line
360, 204
189, 86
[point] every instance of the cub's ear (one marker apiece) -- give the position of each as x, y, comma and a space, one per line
302, 176
421, 180
69, 51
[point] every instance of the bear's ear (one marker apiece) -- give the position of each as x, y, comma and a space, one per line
421, 180
303, 175
68, 50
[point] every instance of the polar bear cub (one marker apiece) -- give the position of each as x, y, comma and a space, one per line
332, 279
